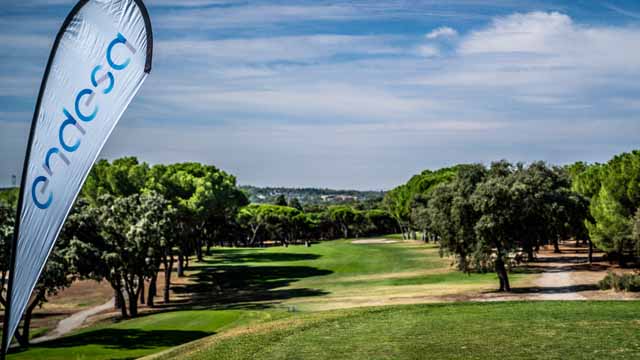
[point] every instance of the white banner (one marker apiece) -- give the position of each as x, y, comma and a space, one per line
99, 60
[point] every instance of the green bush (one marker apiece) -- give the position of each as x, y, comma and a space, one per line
620, 282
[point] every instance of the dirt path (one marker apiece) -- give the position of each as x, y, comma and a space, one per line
564, 276
73, 322
557, 285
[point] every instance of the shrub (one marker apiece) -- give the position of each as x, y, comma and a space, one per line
620, 282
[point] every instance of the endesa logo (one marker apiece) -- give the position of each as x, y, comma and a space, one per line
100, 78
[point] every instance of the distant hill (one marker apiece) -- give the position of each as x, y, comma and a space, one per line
309, 195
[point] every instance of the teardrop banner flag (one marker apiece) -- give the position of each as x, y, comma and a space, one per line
100, 58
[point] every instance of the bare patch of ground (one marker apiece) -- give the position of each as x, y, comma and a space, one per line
397, 275
73, 322
564, 276
374, 241
395, 295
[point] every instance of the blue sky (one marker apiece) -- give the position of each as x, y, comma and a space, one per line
356, 94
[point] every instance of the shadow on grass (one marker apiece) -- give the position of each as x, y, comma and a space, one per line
123, 339
528, 290
568, 258
235, 286
220, 283
554, 289
234, 256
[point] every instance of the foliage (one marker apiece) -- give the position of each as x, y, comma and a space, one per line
7, 223
122, 240
346, 219
295, 203
280, 200
485, 215
406, 202
453, 217
620, 282
123, 177
614, 192
379, 222
10, 196
55, 276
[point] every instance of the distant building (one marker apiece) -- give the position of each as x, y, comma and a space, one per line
338, 198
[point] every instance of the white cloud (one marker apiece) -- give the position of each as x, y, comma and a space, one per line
524, 86
293, 98
443, 31
541, 56
557, 40
243, 16
428, 50
285, 48
533, 32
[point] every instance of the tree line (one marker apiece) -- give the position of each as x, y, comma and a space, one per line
492, 218
613, 191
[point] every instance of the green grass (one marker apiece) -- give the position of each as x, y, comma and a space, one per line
340, 257
446, 278
315, 278
513, 330
236, 286
141, 336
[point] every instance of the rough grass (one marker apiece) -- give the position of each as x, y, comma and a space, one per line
511, 330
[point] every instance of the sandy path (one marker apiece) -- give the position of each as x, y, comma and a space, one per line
373, 241
557, 285
73, 322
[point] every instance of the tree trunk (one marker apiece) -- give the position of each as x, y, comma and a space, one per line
167, 280
123, 305
141, 290
530, 255
180, 264
133, 304
556, 245
590, 252
502, 274
199, 250
622, 259
133, 293
23, 338
254, 234
117, 301
152, 290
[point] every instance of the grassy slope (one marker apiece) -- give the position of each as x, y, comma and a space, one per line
311, 278
515, 330
142, 336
